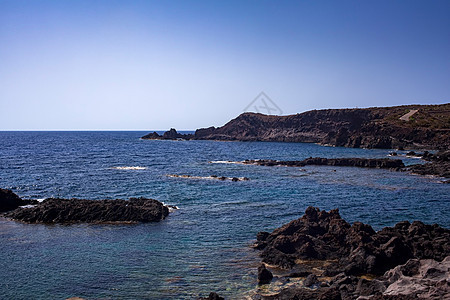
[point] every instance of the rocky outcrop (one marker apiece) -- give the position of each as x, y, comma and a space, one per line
10, 201
438, 165
357, 248
264, 275
381, 163
172, 134
52, 211
212, 296
427, 278
416, 279
342, 261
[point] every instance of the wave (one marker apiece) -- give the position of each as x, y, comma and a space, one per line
130, 168
27, 206
226, 162
222, 178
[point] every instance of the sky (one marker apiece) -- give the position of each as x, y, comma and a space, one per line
153, 65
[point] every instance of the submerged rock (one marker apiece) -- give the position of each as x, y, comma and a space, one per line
212, 296
264, 275
54, 210
10, 201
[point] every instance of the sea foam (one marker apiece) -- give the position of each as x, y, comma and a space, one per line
129, 168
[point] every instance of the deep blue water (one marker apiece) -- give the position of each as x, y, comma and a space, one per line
203, 246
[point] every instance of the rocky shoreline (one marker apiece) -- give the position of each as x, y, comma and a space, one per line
69, 211
336, 260
321, 256
437, 164
376, 127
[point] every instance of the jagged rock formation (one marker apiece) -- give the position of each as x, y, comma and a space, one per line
380, 163
10, 201
357, 248
172, 134
52, 211
407, 261
438, 165
377, 127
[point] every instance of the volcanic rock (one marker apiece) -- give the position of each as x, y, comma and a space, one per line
376, 127
54, 210
10, 201
380, 163
357, 248
264, 275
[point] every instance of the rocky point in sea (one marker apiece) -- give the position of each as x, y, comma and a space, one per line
67, 211
10, 201
336, 260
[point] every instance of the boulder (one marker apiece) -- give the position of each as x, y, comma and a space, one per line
10, 201
264, 275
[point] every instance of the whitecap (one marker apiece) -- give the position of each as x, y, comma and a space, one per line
225, 162
130, 168
27, 206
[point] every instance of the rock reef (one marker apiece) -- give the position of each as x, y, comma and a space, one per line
438, 164
380, 163
406, 261
67, 211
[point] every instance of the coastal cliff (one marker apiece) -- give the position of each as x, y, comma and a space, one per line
402, 127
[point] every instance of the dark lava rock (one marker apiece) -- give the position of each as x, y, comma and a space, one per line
311, 280
212, 296
357, 248
151, 136
53, 210
381, 163
438, 165
264, 275
10, 201
376, 127
172, 134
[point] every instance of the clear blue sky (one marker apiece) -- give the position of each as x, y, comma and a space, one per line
190, 64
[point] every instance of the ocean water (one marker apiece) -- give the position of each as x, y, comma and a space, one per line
203, 246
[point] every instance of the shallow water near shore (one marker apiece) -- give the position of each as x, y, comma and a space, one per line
203, 246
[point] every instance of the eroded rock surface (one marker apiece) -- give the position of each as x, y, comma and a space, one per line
357, 248
380, 163
54, 210
341, 261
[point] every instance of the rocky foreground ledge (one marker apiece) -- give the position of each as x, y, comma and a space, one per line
331, 259
69, 211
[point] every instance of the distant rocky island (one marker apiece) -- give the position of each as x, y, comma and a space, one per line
398, 127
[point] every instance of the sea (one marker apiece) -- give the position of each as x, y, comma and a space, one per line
205, 244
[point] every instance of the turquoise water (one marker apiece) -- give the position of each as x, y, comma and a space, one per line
203, 246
